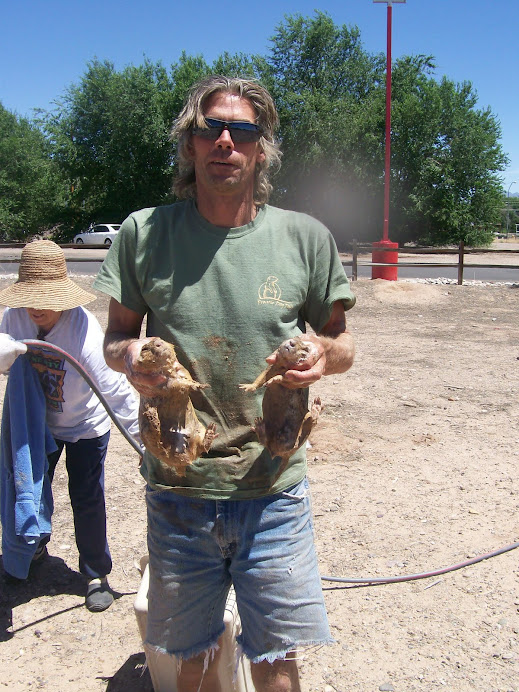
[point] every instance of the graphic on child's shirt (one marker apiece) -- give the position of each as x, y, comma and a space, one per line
51, 371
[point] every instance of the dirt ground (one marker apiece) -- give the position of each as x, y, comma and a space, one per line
413, 468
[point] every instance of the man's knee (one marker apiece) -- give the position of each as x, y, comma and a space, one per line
279, 676
199, 672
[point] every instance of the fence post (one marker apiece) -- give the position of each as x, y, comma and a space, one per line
460, 262
354, 253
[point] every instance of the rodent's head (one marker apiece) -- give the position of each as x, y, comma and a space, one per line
295, 351
157, 354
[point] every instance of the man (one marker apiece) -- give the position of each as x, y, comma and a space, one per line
226, 278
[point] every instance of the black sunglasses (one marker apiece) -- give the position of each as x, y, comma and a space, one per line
239, 131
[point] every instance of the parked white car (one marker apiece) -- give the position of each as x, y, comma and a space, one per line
100, 234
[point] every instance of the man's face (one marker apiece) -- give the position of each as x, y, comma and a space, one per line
224, 166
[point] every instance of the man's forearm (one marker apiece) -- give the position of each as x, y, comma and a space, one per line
339, 352
337, 342
124, 328
115, 347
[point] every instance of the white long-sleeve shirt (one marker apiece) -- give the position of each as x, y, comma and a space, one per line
73, 410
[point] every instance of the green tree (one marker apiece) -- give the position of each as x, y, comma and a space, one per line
31, 190
446, 161
110, 135
242, 65
509, 216
446, 155
328, 92
184, 73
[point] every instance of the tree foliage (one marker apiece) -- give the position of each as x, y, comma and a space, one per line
509, 217
446, 155
109, 138
446, 163
31, 190
327, 89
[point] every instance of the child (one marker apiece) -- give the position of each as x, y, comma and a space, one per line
45, 304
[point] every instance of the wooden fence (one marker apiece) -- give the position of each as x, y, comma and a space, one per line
460, 252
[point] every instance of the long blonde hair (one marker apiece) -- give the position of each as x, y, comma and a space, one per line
192, 115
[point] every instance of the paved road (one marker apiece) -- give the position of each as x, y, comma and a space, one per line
88, 260
79, 260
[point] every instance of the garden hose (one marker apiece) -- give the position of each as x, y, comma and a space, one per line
422, 575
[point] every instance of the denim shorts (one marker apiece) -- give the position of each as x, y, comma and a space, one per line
264, 547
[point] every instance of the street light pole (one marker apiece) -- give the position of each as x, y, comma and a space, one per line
508, 206
380, 255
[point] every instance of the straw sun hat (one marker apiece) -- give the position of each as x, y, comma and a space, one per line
43, 283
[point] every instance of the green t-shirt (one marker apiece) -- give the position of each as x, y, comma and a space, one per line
226, 298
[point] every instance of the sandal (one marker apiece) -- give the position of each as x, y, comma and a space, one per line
41, 553
99, 596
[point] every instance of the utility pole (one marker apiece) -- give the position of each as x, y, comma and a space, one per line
382, 253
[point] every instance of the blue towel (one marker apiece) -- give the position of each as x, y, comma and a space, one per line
26, 502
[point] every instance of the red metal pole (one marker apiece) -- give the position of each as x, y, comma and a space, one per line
385, 235
384, 251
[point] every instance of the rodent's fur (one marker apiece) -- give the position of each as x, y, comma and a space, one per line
169, 425
286, 422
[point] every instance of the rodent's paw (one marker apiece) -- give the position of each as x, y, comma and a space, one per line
199, 385
277, 379
210, 435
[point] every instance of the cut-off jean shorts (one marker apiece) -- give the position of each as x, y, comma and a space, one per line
264, 547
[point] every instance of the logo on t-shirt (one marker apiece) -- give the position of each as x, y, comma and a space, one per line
51, 371
270, 293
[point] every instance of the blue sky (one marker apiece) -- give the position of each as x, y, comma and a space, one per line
46, 44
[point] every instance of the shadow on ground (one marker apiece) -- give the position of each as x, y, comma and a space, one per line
132, 676
50, 578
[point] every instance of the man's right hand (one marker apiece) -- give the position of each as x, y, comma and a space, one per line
10, 349
145, 383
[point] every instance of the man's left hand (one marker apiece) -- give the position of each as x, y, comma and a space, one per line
308, 371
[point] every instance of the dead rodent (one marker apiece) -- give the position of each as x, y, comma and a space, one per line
168, 423
286, 422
